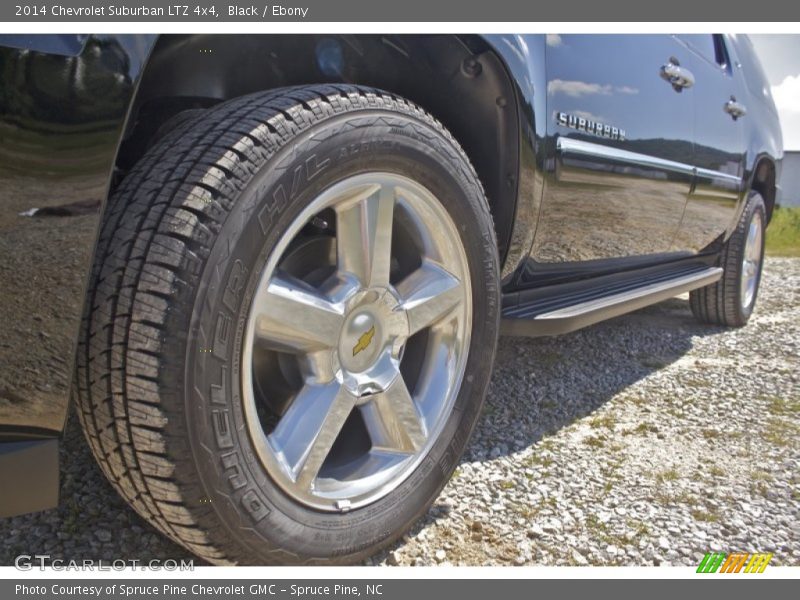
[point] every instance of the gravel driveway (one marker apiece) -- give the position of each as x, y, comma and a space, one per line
646, 440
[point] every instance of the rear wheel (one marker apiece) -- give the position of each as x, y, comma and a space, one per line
291, 326
730, 301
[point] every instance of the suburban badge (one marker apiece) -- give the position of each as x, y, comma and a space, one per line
589, 126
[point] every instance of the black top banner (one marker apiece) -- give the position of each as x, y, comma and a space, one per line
493, 11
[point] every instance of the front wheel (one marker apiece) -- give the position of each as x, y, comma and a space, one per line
292, 325
730, 301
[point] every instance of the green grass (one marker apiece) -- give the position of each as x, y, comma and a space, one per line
540, 460
668, 499
781, 432
641, 429
781, 407
704, 515
595, 441
716, 471
760, 476
668, 475
607, 421
783, 233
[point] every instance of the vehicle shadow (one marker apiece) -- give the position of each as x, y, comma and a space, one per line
543, 385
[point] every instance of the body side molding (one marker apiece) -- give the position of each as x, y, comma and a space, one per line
572, 147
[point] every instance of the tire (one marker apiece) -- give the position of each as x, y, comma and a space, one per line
173, 384
177, 121
730, 301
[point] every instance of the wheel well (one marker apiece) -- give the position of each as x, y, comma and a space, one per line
764, 183
458, 79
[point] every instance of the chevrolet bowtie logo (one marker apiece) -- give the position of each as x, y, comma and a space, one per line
364, 340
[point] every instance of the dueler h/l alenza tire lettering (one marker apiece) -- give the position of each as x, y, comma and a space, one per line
183, 258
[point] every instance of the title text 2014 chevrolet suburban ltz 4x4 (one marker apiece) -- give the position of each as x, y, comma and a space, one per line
270, 271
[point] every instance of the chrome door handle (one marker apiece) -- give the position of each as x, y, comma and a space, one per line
734, 108
676, 75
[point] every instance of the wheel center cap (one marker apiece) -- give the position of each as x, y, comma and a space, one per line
361, 340
371, 341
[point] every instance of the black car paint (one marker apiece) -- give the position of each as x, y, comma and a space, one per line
63, 103
63, 108
700, 135
74, 116
604, 206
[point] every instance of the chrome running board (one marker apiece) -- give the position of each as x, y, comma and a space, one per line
575, 311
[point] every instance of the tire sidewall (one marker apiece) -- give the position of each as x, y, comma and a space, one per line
755, 205
268, 523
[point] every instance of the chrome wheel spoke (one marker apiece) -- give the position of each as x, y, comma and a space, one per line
428, 295
753, 248
328, 331
751, 239
305, 435
751, 262
393, 419
293, 316
364, 234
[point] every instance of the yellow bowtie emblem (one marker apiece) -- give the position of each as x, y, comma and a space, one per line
364, 340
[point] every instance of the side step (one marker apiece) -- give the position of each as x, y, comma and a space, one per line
557, 313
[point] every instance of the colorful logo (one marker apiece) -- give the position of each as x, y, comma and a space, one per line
734, 563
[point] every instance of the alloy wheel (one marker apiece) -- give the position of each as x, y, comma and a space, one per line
356, 341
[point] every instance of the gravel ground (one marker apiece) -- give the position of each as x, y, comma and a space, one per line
646, 440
